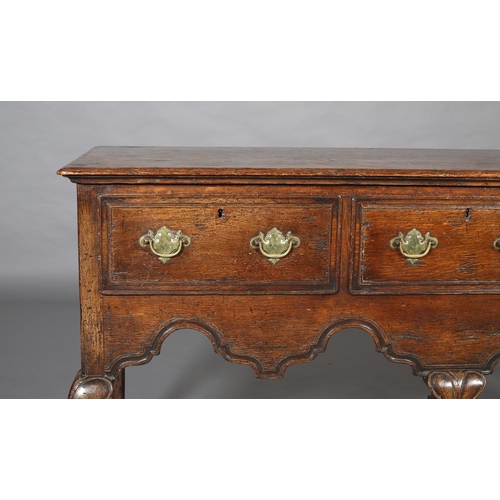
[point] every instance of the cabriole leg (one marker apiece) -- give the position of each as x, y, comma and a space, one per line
119, 385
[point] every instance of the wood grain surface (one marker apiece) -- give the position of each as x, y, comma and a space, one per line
136, 164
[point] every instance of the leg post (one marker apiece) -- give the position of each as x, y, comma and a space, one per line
455, 384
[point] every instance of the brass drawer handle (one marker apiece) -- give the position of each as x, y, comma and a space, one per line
496, 244
414, 246
166, 243
274, 245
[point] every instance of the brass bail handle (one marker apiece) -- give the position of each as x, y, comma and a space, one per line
274, 245
166, 243
496, 244
414, 246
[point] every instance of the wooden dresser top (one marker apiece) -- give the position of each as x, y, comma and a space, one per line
146, 162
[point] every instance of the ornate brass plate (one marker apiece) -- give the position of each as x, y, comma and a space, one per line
413, 246
166, 243
274, 245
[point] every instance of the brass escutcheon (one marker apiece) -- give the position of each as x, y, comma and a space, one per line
413, 246
274, 245
166, 243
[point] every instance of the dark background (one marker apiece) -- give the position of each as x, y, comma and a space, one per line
39, 310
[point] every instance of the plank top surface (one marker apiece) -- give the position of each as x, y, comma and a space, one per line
297, 162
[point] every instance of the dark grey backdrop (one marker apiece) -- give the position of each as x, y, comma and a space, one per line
39, 352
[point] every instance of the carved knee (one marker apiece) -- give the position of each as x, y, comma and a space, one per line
459, 384
91, 387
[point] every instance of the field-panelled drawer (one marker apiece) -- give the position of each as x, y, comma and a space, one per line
428, 247
217, 256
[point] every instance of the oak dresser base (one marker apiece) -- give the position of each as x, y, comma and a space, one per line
271, 251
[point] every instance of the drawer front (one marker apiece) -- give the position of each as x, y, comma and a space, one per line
218, 257
457, 255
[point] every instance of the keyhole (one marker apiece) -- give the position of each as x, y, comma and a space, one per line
468, 212
220, 213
